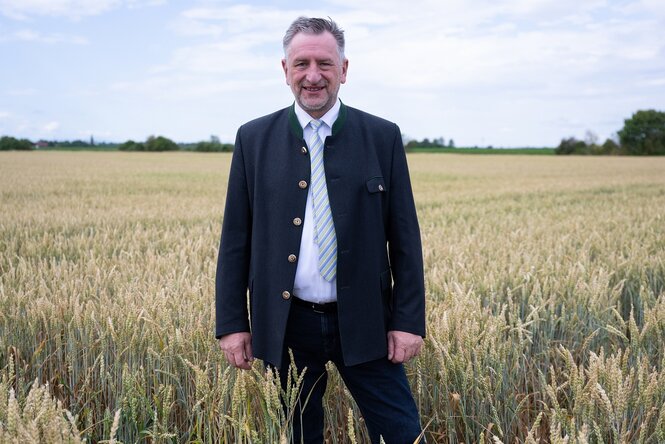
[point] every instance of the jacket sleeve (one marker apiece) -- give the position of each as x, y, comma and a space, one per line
405, 249
234, 251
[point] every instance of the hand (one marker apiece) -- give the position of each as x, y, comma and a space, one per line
237, 348
403, 346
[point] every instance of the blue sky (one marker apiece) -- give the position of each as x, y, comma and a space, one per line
483, 72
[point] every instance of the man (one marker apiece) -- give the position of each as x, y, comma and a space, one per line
319, 222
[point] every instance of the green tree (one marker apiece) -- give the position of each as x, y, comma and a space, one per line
11, 143
644, 133
213, 145
130, 145
571, 146
610, 147
160, 143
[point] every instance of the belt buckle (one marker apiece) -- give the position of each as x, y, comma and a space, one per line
315, 310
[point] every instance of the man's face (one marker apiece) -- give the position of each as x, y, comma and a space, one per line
314, 71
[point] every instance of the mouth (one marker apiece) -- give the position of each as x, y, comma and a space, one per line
313, 89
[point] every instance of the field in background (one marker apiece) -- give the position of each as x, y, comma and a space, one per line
546, 302
493, 151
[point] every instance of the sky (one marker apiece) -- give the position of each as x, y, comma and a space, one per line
512, 73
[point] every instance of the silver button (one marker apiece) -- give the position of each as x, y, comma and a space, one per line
303, 150
286, 294
292, 258
297, 221
302, 184
380, 187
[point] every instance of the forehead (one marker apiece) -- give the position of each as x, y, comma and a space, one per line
313, 45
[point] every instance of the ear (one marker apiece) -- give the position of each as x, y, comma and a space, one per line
286, 70
345, 67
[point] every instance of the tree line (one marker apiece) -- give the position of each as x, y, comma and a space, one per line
642, 135
152, 143
161, 143
438, 142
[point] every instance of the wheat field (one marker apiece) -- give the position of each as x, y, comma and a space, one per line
545, 288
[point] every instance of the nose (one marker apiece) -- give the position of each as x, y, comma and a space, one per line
313, 74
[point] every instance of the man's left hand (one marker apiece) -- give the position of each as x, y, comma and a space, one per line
403, 346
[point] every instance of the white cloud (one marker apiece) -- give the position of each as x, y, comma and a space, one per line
51, 126
23, 9
28, 35
4, 114
21, 92
509, 72
512, 57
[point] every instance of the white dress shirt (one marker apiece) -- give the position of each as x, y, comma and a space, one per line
309, 284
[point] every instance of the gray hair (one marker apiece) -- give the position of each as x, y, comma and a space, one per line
315, 26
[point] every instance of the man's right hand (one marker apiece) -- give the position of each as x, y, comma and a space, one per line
237, 348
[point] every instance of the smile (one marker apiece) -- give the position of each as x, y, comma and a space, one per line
313, 88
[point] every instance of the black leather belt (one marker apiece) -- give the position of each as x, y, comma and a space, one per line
330, 307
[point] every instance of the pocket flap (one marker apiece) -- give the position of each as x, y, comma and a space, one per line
376, 185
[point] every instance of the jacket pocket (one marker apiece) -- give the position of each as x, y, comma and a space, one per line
376, 185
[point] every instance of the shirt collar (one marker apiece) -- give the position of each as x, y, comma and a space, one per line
328, 118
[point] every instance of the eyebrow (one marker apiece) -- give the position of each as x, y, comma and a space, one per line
306, 59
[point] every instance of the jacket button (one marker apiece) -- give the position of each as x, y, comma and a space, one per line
286, 294
297, 221
302, 184
380, 187
292, 258
303, 150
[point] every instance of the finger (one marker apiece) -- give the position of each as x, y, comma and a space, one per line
249, 356
399, 355
229, 358
240, 361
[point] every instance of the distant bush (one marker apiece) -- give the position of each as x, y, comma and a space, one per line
153, 143
8, 143
426, 143
209, 147
130, 145
610, 147
572, 146
73, 144
580, 147
160, 143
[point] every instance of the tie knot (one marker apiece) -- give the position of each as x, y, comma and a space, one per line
316, 124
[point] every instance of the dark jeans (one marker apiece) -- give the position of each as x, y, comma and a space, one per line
380, 388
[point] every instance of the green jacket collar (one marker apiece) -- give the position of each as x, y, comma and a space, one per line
296, 129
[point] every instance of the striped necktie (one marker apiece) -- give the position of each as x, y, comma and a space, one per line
325, 230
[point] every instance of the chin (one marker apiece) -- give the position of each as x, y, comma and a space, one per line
312, 105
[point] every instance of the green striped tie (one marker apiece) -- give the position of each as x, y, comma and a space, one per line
325, 230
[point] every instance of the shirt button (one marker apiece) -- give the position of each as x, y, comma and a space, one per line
303, 150
302, 184
297, 221
286, 294
292, 258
